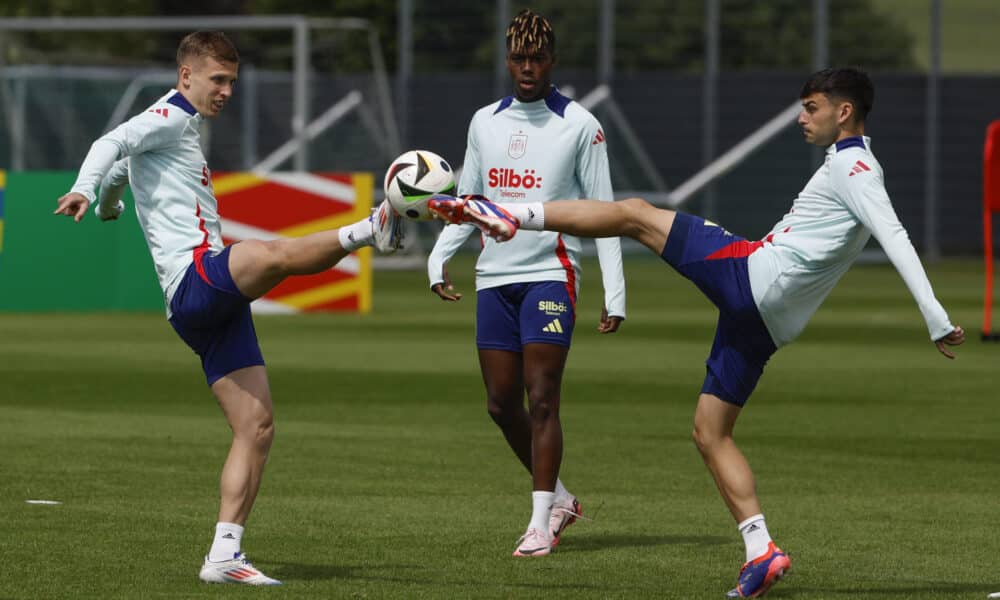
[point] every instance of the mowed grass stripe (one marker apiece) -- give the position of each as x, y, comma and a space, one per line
876, 458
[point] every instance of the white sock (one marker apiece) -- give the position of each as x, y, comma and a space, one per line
356, 235
755, 536
541, 508
530, 214
226, 543
561, 492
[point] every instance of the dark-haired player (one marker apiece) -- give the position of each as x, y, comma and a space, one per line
765, 290
532, 147
208, 288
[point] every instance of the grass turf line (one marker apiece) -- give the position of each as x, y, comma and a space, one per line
875, 457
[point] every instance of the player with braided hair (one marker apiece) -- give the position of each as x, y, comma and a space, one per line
535, 145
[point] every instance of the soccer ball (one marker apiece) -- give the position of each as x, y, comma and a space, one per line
414, 177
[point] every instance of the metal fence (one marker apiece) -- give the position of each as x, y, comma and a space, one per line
686, 80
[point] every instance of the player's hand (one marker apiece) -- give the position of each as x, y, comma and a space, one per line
956, 337
445, 290
73, 205
608, 324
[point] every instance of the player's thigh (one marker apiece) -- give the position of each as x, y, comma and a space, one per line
502, 375
255, 266
543, 370
245, 398
547, 318
647, 224
498, 340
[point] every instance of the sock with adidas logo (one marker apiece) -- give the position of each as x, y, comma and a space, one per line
356, 235
530, 214
755, 536
227, 541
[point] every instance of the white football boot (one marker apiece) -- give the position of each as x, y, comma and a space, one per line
387, 228
237, 570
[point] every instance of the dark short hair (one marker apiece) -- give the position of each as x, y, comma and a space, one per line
213, 44
848, 83
530, 32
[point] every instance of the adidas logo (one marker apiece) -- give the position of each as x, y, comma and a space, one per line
859, 167
229, 536
554, 327
160, 111
598, 138
753, 527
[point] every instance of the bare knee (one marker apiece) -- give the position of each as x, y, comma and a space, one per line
265, 433
707, 440
638, 214
543, 405
256, 428
504, 409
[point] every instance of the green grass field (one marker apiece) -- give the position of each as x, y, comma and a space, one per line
876, 458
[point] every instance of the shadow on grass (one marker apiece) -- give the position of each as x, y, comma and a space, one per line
306, 572
419, 575
935, 589
594, 543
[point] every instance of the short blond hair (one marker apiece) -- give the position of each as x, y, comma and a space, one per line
212, 44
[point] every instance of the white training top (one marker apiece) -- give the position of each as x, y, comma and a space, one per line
804, 256
158, 153
538, 151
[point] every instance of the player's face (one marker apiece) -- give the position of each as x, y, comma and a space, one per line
531, 72
208, 84
825, 120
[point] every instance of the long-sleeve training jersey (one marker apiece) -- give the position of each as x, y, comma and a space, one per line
158, 153
831, 220
535, 152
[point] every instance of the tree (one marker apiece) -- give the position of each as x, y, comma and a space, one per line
454, 35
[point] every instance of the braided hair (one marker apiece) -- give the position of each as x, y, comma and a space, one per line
530, 32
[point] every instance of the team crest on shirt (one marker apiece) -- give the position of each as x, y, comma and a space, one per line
518, 145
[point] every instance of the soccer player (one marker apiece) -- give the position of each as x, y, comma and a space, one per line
208, 288
765, 290
533, 146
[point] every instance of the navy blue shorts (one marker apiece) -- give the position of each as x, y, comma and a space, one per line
213, 317
716, 261
509, 316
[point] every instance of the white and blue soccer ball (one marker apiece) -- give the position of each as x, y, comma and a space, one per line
413, 178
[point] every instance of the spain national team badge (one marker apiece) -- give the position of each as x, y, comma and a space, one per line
518, 145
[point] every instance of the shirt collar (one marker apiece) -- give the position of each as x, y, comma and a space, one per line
554, 101
178, 99
855, 141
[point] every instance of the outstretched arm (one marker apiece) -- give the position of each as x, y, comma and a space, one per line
866, 198
144, 132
